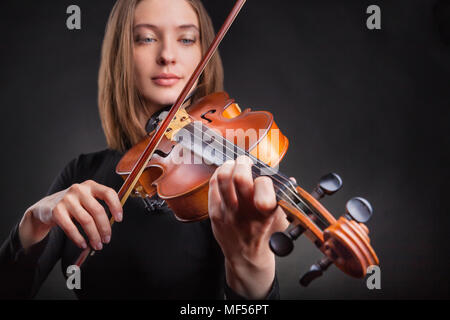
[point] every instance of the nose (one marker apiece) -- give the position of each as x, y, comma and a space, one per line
167, 54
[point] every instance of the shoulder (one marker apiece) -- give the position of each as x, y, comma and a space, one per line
98, 157
99, 166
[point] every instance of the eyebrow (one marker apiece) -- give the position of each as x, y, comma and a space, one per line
152, 26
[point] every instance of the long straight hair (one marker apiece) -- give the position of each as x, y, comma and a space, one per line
119, 101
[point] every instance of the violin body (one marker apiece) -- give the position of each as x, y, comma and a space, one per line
184, 184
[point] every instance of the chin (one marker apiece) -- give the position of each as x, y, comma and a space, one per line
165, 96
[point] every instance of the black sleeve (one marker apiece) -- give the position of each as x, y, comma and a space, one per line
274, 292
23, 271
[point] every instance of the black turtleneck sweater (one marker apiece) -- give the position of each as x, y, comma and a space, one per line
151, 254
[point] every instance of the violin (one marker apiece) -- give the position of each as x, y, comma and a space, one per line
176, 161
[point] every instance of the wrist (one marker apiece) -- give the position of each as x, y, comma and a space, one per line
251, 278
253, 257
31, 230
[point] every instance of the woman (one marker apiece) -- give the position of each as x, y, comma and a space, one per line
150, 49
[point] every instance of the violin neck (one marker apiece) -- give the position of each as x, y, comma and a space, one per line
213, 149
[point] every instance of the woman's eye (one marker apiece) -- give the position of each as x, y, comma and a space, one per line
146, 39
187, 41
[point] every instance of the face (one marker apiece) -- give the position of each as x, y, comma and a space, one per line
167, 49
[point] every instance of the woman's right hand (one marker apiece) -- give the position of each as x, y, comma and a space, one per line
76, 203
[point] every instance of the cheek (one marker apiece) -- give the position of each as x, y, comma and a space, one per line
193, 59
139, 62
140, 68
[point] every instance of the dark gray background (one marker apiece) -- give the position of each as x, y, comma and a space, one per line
372, 106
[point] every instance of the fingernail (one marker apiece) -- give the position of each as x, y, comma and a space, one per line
119, 216
99, 246
84, 245
107, 239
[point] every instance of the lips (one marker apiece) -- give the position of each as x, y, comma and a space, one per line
166, 79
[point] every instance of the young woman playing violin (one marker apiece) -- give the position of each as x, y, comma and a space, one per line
150, 49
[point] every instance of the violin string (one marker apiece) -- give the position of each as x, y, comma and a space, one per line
243, 152
287, 187
275, 176
256, 160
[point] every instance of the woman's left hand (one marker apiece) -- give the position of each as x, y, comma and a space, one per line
244, 214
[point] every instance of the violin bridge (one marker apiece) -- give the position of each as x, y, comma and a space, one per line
178, 122
139, 192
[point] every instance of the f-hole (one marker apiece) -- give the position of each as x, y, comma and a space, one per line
162, 153
204, 115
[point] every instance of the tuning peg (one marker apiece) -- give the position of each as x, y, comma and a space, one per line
358, 209
328, 184
315, 271
282, 243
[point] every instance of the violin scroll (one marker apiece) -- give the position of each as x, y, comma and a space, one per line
282, 243
344, 242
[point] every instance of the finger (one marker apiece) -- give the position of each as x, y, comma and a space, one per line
214, 200
264, 197
96, 210
280, 222
110, 197
62, 218
226, 186
243, 179
86, 221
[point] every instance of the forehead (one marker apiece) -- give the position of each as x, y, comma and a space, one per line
165, 13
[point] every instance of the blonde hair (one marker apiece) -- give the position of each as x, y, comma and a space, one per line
119, 102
